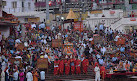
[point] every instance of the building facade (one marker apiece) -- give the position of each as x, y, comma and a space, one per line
115, 4
15, 6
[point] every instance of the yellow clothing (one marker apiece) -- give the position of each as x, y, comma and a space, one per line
28, 56
41, 56
134, 70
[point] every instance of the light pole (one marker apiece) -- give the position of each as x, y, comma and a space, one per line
0, 8
62, 20
80, 18
47, 12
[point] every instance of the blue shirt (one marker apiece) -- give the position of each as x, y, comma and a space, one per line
101, 27
122, 49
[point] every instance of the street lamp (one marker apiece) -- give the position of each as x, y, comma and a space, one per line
62, 20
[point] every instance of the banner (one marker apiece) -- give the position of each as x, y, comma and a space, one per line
56, 43
112, 12
132, 19
42, 63
78, 26
97, 12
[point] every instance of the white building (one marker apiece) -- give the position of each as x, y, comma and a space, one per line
15, 6
24, 10
115, 19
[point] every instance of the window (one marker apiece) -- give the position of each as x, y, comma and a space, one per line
29, 5
22, 4
14, 4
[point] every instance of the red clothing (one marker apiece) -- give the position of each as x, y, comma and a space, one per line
96, 63
56, 67
61, 66
78, 63
67, 67
103, 71
85, 64
72, 66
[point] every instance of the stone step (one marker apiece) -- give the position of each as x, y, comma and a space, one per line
90, 75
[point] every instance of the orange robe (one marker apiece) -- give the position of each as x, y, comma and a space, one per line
56, 67
67, 67
61, 66
35, 76
72, 66
78, 63
85, 64
103, 71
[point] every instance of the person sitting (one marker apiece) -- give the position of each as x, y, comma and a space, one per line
111, 70
135, 68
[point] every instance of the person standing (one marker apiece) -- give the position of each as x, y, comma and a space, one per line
61, 66
35, 75
85, 64
2, 76
11, 74
42, 75
72, 65
97, 73
56, 66
15, 76
21, 75
29, 76
78, 64
67, 66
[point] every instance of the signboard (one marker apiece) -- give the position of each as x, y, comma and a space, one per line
33, 19
132, 19
78, 26
42, 63
112, 12
97, 12
56, 43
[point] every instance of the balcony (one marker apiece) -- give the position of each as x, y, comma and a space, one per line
40, 4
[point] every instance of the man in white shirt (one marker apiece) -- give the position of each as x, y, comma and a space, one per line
103, 50
42, 75
3, 65
29, 76
2, 76
15, 76
97, 73
33, 25
17, 41
45, 56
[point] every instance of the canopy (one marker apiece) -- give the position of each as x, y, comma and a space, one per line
71, 15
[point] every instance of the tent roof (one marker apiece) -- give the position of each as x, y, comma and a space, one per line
71, 15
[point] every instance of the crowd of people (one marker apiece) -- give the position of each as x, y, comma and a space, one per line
85, 50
